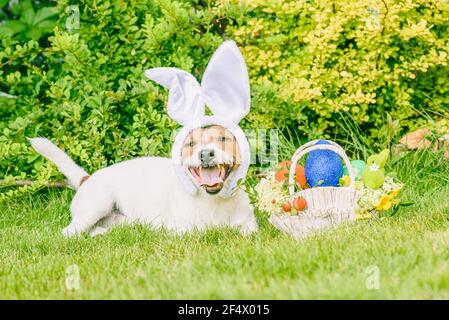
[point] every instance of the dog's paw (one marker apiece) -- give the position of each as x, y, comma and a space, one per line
69, 231
248, 228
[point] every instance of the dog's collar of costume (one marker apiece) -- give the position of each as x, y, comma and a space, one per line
189, 184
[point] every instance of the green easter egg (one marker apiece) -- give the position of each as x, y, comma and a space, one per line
358, 166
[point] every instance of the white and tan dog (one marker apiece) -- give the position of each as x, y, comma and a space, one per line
197, 187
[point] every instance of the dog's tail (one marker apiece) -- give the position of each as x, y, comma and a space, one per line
75, 174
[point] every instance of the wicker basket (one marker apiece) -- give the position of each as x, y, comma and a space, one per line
326, 206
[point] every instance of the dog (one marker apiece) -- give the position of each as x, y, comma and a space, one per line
147, 191
198, 187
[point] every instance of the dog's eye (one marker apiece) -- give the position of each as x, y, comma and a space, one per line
223, 139
190, 144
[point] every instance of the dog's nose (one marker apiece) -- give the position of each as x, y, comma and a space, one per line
206, 156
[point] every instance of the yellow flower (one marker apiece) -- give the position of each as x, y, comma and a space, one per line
344, 181
394, 193
387, 200
384, 203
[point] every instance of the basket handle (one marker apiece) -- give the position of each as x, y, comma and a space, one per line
311, 146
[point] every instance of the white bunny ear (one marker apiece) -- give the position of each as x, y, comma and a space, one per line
184, 99
225, 83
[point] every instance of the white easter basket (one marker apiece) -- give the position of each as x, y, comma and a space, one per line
326, 206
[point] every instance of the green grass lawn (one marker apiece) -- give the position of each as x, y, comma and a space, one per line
410, 251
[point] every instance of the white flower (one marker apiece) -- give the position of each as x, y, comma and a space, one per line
270, 195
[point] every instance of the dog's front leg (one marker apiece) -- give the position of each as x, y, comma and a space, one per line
249, 226
244, 217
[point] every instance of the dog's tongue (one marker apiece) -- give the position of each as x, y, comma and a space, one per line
210, 176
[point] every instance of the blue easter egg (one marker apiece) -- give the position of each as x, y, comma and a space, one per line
323, 168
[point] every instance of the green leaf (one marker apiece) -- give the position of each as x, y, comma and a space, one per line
44, 14
28, 16
12, 27
46, 26
34, 33
20, 6
394, 211
406, 204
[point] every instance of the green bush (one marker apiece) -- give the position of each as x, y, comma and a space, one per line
362, 59
25, 20
86, 91
309, 61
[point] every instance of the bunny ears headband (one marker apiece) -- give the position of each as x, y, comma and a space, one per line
224, 89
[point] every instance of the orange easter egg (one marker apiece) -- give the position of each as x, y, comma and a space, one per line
281, 174
301, 176
299, 203
287, 207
